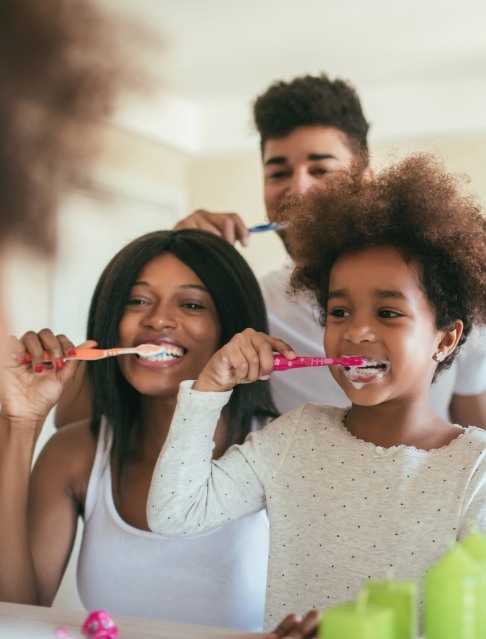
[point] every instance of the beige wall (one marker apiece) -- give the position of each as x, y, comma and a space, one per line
235, 184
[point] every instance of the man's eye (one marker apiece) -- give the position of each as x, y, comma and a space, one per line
278, 175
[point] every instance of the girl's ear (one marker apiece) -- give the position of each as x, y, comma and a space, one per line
449, 340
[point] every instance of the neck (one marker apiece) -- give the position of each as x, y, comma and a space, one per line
397, 423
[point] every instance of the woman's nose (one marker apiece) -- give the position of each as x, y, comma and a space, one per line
161, 316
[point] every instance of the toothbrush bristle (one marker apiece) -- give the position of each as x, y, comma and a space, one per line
150, 349
353, 361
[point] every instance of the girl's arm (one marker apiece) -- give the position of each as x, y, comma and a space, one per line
189, 492
26, 397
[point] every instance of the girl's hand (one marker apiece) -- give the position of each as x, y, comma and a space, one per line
29, 391
297, 627
247, 357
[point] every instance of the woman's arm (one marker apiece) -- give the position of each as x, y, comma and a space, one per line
75, 403
27, 394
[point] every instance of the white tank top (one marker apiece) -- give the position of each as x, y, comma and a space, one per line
216, 578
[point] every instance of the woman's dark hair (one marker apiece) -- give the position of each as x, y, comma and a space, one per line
238, 302
415, 206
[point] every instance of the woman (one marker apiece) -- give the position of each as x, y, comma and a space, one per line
188, 292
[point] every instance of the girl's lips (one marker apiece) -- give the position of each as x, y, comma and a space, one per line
372, 371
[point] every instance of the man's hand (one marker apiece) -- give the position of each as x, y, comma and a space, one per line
229, 226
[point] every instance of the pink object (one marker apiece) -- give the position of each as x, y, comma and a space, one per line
283, 364
102, 353
99, 625
62, 633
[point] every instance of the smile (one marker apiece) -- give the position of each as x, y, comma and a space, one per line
166, 354
371, 371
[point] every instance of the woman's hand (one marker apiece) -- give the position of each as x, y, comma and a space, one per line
28, 391
297, 627
247, 357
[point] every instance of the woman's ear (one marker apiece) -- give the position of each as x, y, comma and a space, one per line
449, 341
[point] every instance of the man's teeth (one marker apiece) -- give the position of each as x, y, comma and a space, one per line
164, 355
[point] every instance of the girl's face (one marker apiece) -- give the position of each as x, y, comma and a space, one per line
169, 306
378, 310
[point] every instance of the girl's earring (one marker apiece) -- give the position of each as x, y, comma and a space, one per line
439, 356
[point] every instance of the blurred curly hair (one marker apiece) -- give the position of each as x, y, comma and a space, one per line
416, 206
310, 101
61, 64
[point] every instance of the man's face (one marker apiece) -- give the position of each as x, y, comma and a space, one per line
300, 160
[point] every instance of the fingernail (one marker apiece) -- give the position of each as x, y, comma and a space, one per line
71, 352
38, 368
59, 363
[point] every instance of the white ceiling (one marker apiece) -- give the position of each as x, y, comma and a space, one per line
419, 65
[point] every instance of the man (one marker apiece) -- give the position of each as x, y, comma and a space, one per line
309, 127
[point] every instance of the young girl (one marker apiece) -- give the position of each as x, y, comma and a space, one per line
189, 292
399, 269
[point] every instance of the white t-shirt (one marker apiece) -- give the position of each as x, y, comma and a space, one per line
295, 319
215, 578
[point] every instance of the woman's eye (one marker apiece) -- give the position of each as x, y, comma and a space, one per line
193, 306
136, 301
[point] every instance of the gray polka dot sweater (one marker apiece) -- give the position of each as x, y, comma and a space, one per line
341, 510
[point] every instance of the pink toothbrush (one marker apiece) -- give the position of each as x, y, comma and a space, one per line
283, 364
102, 353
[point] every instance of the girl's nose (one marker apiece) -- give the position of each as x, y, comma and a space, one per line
358, 332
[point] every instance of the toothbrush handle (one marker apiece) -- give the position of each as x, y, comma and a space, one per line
81, 353
283, 364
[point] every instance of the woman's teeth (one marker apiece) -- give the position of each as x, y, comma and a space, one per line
165, 354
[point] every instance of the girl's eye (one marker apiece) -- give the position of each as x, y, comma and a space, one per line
338, 312
387, 314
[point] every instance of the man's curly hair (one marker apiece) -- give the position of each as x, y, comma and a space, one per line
61, 65
416, 206
310, 101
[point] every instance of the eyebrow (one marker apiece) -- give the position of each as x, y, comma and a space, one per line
197, 287
313, 157
380, 293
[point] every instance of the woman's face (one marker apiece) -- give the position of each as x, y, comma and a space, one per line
169, 306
